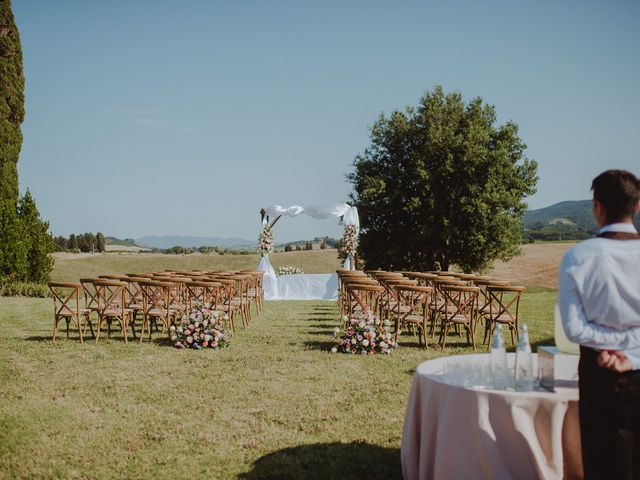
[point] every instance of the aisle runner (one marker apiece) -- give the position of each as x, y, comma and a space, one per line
320, 286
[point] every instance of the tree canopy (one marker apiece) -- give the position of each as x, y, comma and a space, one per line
441, 183
11, 103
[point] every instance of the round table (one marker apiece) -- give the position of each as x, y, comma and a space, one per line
452, 431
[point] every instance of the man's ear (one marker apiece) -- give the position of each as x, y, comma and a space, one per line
599, 213
638, 207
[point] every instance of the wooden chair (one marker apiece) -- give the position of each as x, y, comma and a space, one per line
133, 298
461, 309
438, 306
66, 305
90, 302
111, 306
413, 309
204, 293
156, 305
366, 301
504, 308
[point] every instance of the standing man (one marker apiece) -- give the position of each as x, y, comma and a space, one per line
599, 300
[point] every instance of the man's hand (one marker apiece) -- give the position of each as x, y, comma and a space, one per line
614, 360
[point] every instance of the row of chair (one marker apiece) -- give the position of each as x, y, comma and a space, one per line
420, 301
158, 298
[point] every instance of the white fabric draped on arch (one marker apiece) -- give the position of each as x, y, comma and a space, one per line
348, 213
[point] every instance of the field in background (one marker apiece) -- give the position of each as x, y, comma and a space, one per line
537, 267
72, 266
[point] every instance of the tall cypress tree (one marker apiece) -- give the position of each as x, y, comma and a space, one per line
11, 103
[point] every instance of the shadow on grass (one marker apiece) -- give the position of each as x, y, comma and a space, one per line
318, 345
326, 318
328, 460
550, 341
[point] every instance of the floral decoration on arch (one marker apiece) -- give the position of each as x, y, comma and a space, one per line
265, 240
349, 241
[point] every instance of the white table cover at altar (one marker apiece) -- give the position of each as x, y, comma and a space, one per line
457, 432
317, 286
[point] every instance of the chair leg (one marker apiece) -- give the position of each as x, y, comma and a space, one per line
55, 329
79, 328
98, 329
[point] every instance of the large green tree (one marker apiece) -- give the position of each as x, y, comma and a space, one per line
11, 103
441, 183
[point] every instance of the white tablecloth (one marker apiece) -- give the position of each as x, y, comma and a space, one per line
319, 286
455, 432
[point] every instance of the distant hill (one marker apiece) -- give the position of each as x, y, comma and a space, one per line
127, 242
576, 213
570, 220
168, 241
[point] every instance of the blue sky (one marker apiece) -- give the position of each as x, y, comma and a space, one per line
158, 117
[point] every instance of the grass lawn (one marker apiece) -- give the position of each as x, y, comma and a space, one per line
275, 404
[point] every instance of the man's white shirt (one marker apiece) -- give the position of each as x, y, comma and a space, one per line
599, 293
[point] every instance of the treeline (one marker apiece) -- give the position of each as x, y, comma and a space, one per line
25, 242
84, 242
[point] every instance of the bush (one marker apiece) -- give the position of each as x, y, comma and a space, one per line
9, 288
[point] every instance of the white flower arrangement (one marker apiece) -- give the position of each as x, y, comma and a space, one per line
289, 270
265, 240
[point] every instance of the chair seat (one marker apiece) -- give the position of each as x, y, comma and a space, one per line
413, 319
458, 319
502, 319
158, 312
135, 306
115, 312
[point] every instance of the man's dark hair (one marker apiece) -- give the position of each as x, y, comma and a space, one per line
619, 192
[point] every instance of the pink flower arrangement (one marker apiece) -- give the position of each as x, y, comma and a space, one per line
366, 335
201, 329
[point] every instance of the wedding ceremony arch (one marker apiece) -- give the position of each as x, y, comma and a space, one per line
304, 286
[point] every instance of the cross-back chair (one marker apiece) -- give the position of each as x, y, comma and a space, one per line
156, 305
413, 309
504, 308
66, 305
461, 310
111, 306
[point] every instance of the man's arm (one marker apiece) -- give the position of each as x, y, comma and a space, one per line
580, 330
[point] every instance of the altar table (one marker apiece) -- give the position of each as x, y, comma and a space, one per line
473, 432
317, 286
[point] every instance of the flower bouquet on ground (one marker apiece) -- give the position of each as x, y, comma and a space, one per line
265, 240
289, 270
365, 334
203, 328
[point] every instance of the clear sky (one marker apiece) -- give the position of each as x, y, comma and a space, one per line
185, 117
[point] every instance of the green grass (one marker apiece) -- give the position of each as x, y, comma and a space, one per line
72, 267
275, 404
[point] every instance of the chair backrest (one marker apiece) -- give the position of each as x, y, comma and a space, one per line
109, 295
504, 302
460, 300
205, 292
89, 291
66, 298
156, 296
365, 299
